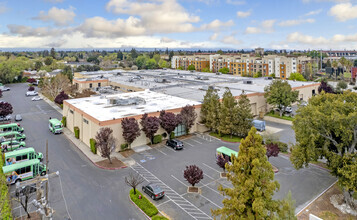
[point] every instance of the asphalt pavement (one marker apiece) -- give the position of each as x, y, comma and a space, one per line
87, 191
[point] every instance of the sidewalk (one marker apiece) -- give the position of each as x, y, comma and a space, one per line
278, 120
94, 158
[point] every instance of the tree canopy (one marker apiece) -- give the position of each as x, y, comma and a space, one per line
224, 70
131, 129
297, 77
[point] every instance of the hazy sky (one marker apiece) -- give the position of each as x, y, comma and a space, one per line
278, 24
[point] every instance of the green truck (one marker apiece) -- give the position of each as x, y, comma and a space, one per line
12, 135
55, 126
22, 155
12, 145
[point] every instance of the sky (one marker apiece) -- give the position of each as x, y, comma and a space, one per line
234, 24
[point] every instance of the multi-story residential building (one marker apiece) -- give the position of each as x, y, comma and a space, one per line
199, 61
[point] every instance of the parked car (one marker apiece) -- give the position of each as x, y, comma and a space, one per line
5, 118
259, 125
5, 89
154, 191
18, 117
175, 144
288, 109
31, 93
36, 98
23, 190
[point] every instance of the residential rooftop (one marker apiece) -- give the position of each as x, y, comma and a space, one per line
104, 108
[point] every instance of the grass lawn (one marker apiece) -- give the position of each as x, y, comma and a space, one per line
278, 116
226, 137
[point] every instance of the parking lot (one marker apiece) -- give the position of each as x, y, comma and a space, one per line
164, 166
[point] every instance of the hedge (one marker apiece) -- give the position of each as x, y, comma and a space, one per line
144, 204
123, 147
4, 196
157, 139
283, 147
156, 217
92, 145
64, 121
172, 135
76, 132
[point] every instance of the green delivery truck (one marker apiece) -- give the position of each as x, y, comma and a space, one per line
55, 126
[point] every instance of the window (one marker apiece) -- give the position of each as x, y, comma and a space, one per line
85, 121
99, 84
71, 111
90, 85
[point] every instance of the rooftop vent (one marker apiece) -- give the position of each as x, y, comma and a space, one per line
161, 80
126, 102
202, 77
247, 82
205, 87
268, 78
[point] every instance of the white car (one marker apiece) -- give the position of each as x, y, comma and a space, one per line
31, 93
5, 89
5, 118
36, 98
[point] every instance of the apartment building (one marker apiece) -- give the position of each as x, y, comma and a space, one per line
199, 61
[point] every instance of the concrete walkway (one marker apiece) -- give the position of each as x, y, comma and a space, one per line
94, 158
278, 120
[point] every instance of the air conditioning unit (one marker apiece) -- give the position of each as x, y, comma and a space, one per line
247, 82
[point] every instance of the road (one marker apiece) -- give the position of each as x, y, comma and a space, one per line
89, 192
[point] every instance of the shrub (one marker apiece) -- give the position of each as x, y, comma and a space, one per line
4, 197
157, 139
76, 132
64, 121
143, 203
92, 145
355, 87
61, 106
31, 88
283, 147
172, 135
123, 147
156, 217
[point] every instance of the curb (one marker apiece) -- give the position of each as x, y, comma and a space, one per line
312, 164
101, 167
138, 208
229, 141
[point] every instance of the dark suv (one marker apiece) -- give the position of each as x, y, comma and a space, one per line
175, 144
154, 191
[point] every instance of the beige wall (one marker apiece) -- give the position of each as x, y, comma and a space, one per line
126, 88
82, 85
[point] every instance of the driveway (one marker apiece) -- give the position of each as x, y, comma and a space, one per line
87, 191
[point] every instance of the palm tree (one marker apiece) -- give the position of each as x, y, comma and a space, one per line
335, 66
343, 62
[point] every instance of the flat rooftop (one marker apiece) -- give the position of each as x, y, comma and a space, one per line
104, 108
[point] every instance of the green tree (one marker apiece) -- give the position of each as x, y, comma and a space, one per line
120, 55
191, 67
342, 85
252, 177
53, 53
355, 63
151, 64
48, 61
210, 110
287, 208
162, 63
38, 65
327, 128
133, 53
244, 116
224, 70
280, 94
227, 114
180, 68
220, 52
258, 74
297, 77
157, 58
206, 69
171, 55
335, 66
141, 62
67, 71
328, 63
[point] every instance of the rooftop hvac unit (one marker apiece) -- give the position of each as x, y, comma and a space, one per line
268, 78
248, 82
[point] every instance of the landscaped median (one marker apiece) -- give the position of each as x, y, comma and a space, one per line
284, 117
226, 138
145, 205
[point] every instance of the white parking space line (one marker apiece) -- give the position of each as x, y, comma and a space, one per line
211, 168
170, 148
213, 190
209, 176
163, 203
185, 142
212, 202
196, 141
160, 151
179, 181
182, 203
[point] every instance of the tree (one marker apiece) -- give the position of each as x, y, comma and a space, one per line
324, 86
224, 70
67, 71
105, 142
220, 52
252, 177
168, 121
342, 85
222, 161
297, 77
327, 128
287, 208
48, 61
133, 53
157, 58
53, 53
328, 63
31, 80
5, 109
335, 66
133, 180
280, 94
23, 198
120, 55
210, 110
51, 87
355, 63
228, 114
150, 125
151, 64
244, 115
131, 129
272, 150
188, 116
193, 174
61, 97
38, 65
171, 55
191, 67
206, 69
141, 61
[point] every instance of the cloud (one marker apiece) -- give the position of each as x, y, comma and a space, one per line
159, 16
60, 17
166, 40
343, 12
300, 38
217, 25
230, 39
57, 43
54, 1
336, 1
27, 31
316, 12
3, 8
243, 14
289, 23
235, 2
213, 37
266, 26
